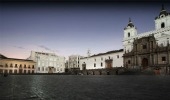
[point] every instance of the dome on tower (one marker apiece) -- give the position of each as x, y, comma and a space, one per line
163, 13
130, 24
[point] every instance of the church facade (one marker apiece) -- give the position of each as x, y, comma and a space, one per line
149, 50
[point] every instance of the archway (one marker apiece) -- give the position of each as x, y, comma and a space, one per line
162, 25
144, 63
50, 69
84, 66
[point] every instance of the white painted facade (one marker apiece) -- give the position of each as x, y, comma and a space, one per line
161, 32
98, 61
48, 62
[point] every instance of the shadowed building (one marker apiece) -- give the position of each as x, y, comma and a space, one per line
150, 50
17, 66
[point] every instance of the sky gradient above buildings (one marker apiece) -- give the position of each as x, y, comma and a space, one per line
67, 28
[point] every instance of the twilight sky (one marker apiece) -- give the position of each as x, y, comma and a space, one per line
67, 28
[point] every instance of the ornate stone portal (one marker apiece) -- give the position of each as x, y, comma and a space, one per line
146, 54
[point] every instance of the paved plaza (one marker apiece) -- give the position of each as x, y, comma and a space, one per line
82, 87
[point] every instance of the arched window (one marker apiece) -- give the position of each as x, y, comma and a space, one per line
162, 25
128, 34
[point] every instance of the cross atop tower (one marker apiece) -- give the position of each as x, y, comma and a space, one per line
130, 20
88, 53
162, 7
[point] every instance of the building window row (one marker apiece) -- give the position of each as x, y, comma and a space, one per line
46, 69
108, 58
16, 71
20, 66
101, 64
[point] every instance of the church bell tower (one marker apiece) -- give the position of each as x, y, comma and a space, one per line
163, 19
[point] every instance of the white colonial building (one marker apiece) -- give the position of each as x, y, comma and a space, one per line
103, 60
48, 62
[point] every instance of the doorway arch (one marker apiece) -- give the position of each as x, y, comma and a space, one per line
144, 63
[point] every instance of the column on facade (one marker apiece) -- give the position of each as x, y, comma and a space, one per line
157, 58
133, 61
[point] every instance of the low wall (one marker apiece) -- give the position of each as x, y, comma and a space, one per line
112, 71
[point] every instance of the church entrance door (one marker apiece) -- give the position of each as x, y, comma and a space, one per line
144, 63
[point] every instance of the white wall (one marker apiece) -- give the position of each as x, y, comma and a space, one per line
50, 60
117, 62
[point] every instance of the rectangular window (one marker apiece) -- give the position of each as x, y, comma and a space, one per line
94, 64
25, 71
144, 46
117, 56
32, 66
25, 66
29, 66
163, 58
38, 68
101, 58
10, 71
11, 65
42, 68
20, 66
128, 61
6, 65
16, 66
101, 64
15, 71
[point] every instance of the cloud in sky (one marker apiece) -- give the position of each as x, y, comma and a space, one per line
47, 48
19, 47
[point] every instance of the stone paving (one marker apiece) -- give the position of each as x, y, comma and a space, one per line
82, 87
